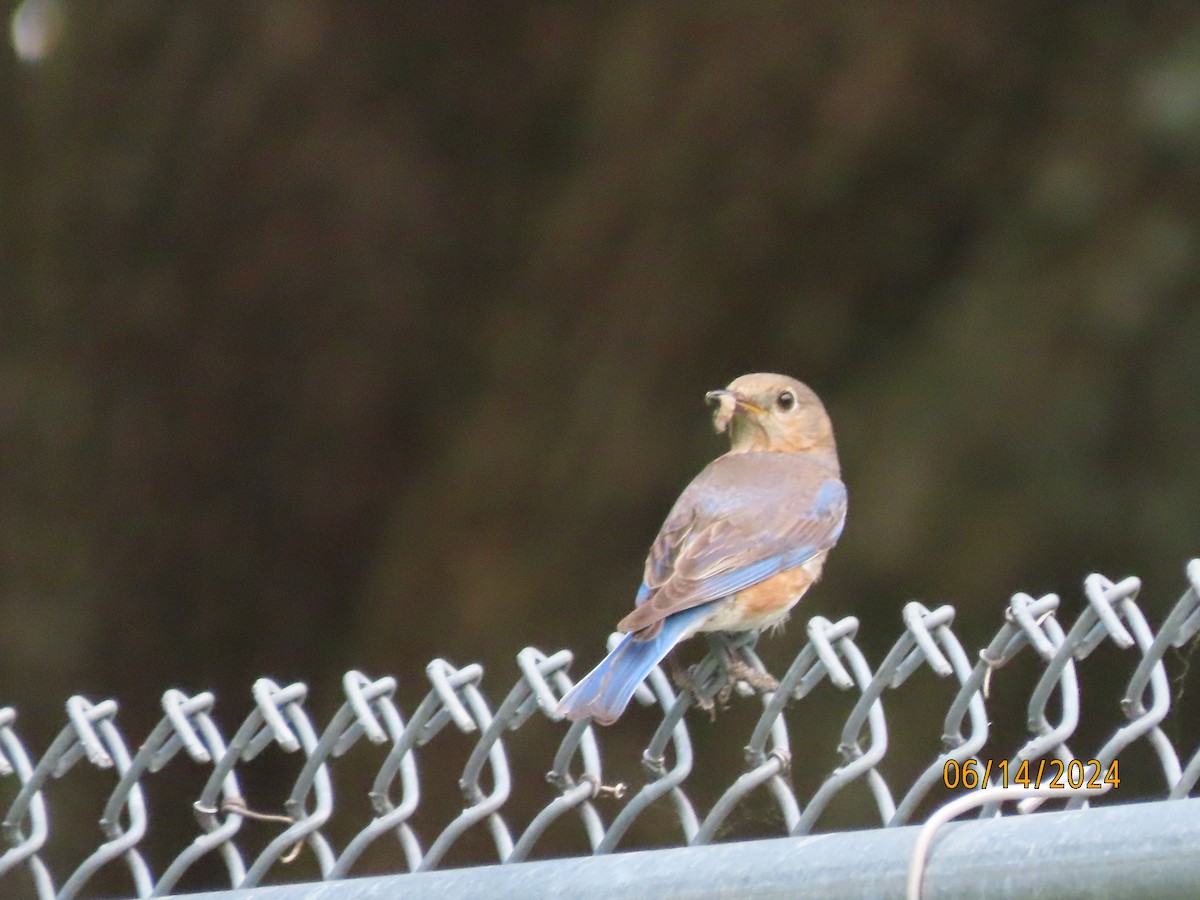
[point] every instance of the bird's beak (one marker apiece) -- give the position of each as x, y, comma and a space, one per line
727, 403
730, 399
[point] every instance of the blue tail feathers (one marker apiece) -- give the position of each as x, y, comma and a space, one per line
604, 692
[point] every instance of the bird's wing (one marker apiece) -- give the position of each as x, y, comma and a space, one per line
746, 517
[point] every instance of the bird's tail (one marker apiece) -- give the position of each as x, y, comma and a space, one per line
605, 691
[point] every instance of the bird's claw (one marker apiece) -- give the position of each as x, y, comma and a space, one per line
736, 670
711, 703
740, 670
705, 700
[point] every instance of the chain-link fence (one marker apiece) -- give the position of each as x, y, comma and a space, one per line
1043, 771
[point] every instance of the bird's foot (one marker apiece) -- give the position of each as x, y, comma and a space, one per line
710, 704
740, 670
680, 677
704, 700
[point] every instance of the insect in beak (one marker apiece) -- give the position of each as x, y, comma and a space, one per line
727, 403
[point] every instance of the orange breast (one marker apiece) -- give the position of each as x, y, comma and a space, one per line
766, 603
775, 595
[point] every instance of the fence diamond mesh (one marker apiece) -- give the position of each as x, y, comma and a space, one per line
1045, 770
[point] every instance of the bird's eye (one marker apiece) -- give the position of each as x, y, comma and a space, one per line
786, 401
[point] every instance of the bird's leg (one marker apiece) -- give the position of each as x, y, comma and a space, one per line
737, 669
740, 670
684, 681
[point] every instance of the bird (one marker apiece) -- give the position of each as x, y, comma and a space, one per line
742, 544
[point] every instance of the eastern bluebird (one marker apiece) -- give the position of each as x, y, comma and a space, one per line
743, 542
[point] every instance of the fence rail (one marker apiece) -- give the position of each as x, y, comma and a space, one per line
455, 700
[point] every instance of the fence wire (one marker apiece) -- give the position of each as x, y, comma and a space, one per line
455, 700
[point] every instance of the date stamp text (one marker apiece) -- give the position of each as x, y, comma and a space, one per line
1045, 773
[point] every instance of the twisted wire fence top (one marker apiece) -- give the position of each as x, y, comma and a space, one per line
455, 702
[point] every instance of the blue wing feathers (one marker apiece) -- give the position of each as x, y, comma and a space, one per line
728, 583
831, 493
604, 692
740, 508
821, 525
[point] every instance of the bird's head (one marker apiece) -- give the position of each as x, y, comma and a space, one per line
764, 411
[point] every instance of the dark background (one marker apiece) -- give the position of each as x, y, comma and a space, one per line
349, 335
